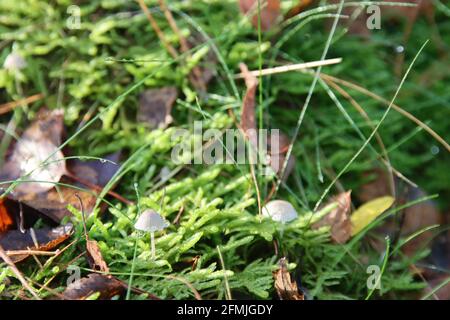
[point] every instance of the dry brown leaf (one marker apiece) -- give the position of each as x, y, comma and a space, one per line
6, 220
248, 120
49, 125
424, 7
107, 286
278, 157
376, 187
284, 285
338, 219
95, 257
155, 107
54, 202
416, 218
270, 12
37, 144
299, 7
44, 239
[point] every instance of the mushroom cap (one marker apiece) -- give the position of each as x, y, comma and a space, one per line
280, 210
14, 61
150, 221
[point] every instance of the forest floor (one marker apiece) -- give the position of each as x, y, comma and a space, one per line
99, 99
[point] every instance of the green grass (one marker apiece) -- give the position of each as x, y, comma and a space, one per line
102, 68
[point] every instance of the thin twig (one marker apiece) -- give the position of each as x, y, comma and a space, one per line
291, 67
172, 51
196, 79
158, 31
4, 108
31, 252
16, 271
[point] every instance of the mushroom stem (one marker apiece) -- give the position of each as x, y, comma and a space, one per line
152, 240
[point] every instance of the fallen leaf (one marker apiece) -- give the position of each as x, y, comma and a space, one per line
338, 219
411, 219
278, 155
53, 203
368, 212
270, 12
248, 120
95, 256
44, 239
299, 7
106, 286
284, 285
81, 175
93, 171
6, 220
377, 185
155, 107
49, 125
424, 7
418, 217
36, 156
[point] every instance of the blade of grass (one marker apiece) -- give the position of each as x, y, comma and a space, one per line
349, 163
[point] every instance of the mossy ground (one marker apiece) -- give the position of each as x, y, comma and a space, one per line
90, 70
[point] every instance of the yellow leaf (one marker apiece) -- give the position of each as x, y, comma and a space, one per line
368, 212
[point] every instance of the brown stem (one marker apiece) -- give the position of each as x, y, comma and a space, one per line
197, 78
16, 271
158, 31
4, 108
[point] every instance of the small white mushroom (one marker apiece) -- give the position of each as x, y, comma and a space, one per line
151, 221
14, 61
280, 210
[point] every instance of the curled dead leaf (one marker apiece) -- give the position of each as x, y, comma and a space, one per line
338, 219
286, 288
270, 12
277, 144
248, 121
155, 107
44, 239
106, 286
95, 257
